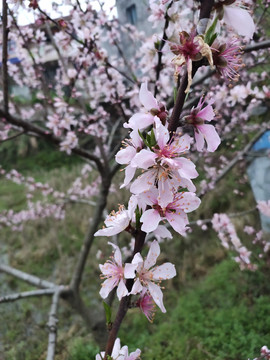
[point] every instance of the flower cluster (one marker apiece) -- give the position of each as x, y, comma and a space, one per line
161, 191
147, 278
120, 353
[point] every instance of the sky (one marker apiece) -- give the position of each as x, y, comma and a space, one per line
25, 17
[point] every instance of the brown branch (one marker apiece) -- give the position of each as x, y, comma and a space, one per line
26, 294
52, 325
124, 303
31, 279
257, 46
89, 237
5, 54
29, 127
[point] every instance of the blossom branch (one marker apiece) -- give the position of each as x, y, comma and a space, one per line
44, 85
124, 303
29, 127
5, 54
206, 7
74, 37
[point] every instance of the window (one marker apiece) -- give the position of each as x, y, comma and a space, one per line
132, 14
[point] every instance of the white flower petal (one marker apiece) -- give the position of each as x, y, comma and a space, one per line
157, 295
146, 98
164, 272
152, 255
150, 220
121, 290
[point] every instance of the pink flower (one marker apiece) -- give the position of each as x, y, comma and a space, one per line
142, 120
113, 272
174, 212
119, 353
191, 48
203, 132
164, 164
264, 207
147, 305
148, 276
265, 352
227, 59
116, 222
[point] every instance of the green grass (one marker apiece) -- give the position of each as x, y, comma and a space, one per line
222, 317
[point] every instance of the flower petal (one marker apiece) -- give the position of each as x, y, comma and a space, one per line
129, 173
117, 254
240, 20
162, 232
178, 221
150, 220
107, 286
139, 121
121, 289
136, 288
144, 182
211, 136
129, 272
116, 348
199, 139
144, 159
164, 272
146, 98
206, 113
157, 295
152, 255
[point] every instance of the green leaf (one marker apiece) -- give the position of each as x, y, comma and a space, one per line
153, 140
108, 312
211, 34
138, 215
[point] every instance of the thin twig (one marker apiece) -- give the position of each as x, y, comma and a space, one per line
31, 279
258, 46
26, 294
52, 325
237, 158
12, 137
232, 215
162, 43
